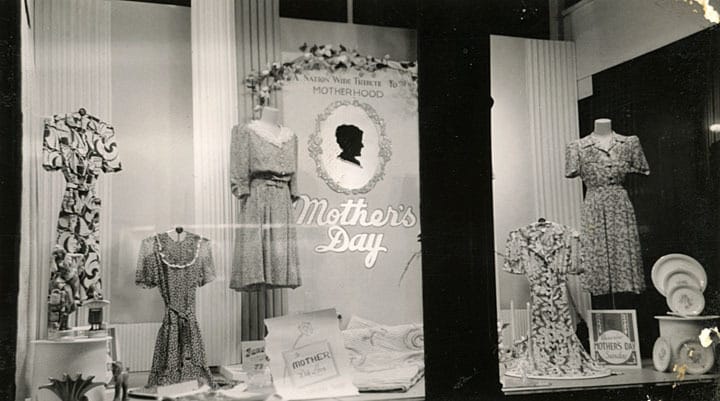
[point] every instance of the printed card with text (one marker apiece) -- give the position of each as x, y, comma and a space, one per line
308, 357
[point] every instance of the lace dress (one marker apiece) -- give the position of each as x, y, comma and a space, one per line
177, 268
543, 252
611, 254
263, 178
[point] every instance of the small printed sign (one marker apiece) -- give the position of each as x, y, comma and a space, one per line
254, 359
614, 338
307, 356
311, 363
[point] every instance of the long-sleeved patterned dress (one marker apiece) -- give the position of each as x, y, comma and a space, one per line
263, 170
82, 147
611, 254
544, 253
177, 268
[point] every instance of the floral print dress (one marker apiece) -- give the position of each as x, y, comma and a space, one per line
177, 268
544, 253
263, 178
611, 255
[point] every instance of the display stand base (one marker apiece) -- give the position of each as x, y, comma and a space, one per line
545, 377
679, 331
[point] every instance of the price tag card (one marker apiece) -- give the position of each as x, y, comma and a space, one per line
308, 357
254, 359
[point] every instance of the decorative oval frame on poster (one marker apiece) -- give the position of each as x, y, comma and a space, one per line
350, 147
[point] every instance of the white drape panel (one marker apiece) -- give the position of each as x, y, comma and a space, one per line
551, 83
66, 66
258, 45
215, 90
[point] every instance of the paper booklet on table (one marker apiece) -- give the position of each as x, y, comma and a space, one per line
308, 357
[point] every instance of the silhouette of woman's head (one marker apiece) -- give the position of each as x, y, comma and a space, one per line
349, 137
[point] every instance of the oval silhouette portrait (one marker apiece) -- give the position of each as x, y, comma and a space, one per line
350, 147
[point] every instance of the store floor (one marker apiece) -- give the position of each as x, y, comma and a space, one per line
417, 392
624, 378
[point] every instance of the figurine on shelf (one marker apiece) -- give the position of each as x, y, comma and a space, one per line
60, 304
67, 268
120, 380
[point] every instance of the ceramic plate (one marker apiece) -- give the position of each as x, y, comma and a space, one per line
662, 354
675, 262
680, 278
686, 301
697, 358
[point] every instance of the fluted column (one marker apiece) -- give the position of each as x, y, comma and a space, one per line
551, 84
66, 66
258, 45
215, 112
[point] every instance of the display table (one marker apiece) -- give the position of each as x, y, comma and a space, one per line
53, 358
625, 378
417, 392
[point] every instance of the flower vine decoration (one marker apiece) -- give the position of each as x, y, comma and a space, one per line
263, 83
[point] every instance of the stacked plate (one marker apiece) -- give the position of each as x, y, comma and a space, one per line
682, 280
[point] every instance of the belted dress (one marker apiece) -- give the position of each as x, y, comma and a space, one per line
177, 268
610, 253
263, 177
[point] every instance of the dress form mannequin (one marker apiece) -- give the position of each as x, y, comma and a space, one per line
270, 116
603, 132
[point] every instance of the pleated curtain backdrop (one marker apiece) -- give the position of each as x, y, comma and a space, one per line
66, 66
552, 85
257, 25
215, 112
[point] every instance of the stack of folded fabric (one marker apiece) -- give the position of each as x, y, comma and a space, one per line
385, 358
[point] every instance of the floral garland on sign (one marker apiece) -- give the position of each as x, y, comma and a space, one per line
326, 57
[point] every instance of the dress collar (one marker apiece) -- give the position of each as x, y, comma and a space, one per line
590, 140
278, 140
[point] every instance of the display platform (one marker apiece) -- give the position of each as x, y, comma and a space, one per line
623, 379
417, 392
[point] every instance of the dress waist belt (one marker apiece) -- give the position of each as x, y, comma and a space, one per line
70, 185
611, 187
271, 180
183, 331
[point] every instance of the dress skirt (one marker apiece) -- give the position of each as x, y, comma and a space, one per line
265, 240
611, 254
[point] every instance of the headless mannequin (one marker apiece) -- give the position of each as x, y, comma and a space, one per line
270, 118
602, 132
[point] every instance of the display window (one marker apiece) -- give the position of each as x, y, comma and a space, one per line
603, 185
218, 207
360, 200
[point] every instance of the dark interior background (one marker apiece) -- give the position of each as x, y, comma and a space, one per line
668, 98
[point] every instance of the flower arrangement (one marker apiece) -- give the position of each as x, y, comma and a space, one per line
263, 83
708, 336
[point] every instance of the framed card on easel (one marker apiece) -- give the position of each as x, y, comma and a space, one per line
614, 338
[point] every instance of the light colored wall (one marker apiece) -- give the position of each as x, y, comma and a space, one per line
152, 114
339, 280
609, 32
513, 185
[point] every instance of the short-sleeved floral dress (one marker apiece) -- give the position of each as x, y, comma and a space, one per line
177, 268
611, 255
544, 253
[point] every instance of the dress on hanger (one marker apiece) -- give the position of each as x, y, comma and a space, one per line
263, 176
611, 255
177, 268
543, 252
82, 147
